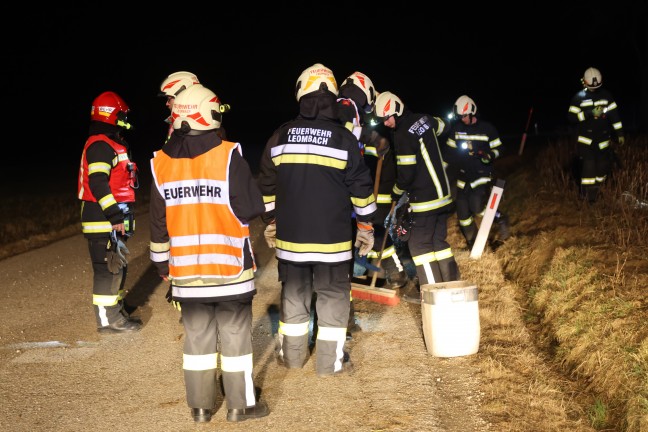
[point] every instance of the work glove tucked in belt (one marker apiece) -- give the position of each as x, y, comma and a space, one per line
169, 298
117, 255
483, 156
364, 238
270, 234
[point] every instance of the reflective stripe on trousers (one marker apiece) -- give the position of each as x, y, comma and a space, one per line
107, 288
431, 252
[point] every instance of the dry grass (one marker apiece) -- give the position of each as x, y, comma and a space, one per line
37, 217
582, 273
43, 212
523, 391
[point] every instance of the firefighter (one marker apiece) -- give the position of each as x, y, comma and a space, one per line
203, 198
171, 86
597, 119
312, 177
357, 97
471, 148
422, 176
106, 187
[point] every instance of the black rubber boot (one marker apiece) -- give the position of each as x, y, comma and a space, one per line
121, 325
503, 229
470, 234
396, 280
411, 292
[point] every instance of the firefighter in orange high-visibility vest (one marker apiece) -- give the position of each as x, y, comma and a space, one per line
171, 87
203, 198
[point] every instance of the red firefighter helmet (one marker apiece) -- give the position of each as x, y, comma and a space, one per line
110, 108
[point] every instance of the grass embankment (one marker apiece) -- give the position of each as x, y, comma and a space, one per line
582, 271
41, 210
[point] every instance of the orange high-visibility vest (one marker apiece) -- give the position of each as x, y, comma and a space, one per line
206, 238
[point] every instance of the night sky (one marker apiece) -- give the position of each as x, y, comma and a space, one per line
507, 60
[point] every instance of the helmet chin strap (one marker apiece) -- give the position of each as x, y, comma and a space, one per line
185, 129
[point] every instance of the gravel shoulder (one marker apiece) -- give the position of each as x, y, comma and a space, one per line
58, 374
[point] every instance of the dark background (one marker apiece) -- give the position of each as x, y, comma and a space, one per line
58, 58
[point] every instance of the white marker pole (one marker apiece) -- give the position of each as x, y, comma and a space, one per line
487, 220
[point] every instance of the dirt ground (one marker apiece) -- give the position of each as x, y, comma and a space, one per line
58, 374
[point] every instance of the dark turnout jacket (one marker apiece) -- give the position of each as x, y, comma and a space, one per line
595, 133
420, 165
313, 179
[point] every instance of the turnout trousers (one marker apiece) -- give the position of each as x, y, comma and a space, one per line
332, 285
207, 324
595, 168
593, 148
107, 288
470, 202
430, 251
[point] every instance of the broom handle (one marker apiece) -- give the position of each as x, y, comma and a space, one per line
382, 247
378, 173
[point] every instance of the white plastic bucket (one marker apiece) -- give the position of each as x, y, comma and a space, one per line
450, 312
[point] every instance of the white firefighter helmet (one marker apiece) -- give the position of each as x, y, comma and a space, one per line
592, 78
387, 105
465, 106
176, 82
364, 83
313, 79
197, 107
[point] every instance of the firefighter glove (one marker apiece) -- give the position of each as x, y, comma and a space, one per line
382, 144
364, 238
483, 156
598, 111
621, 140
117, 255
270, 234
169, 298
